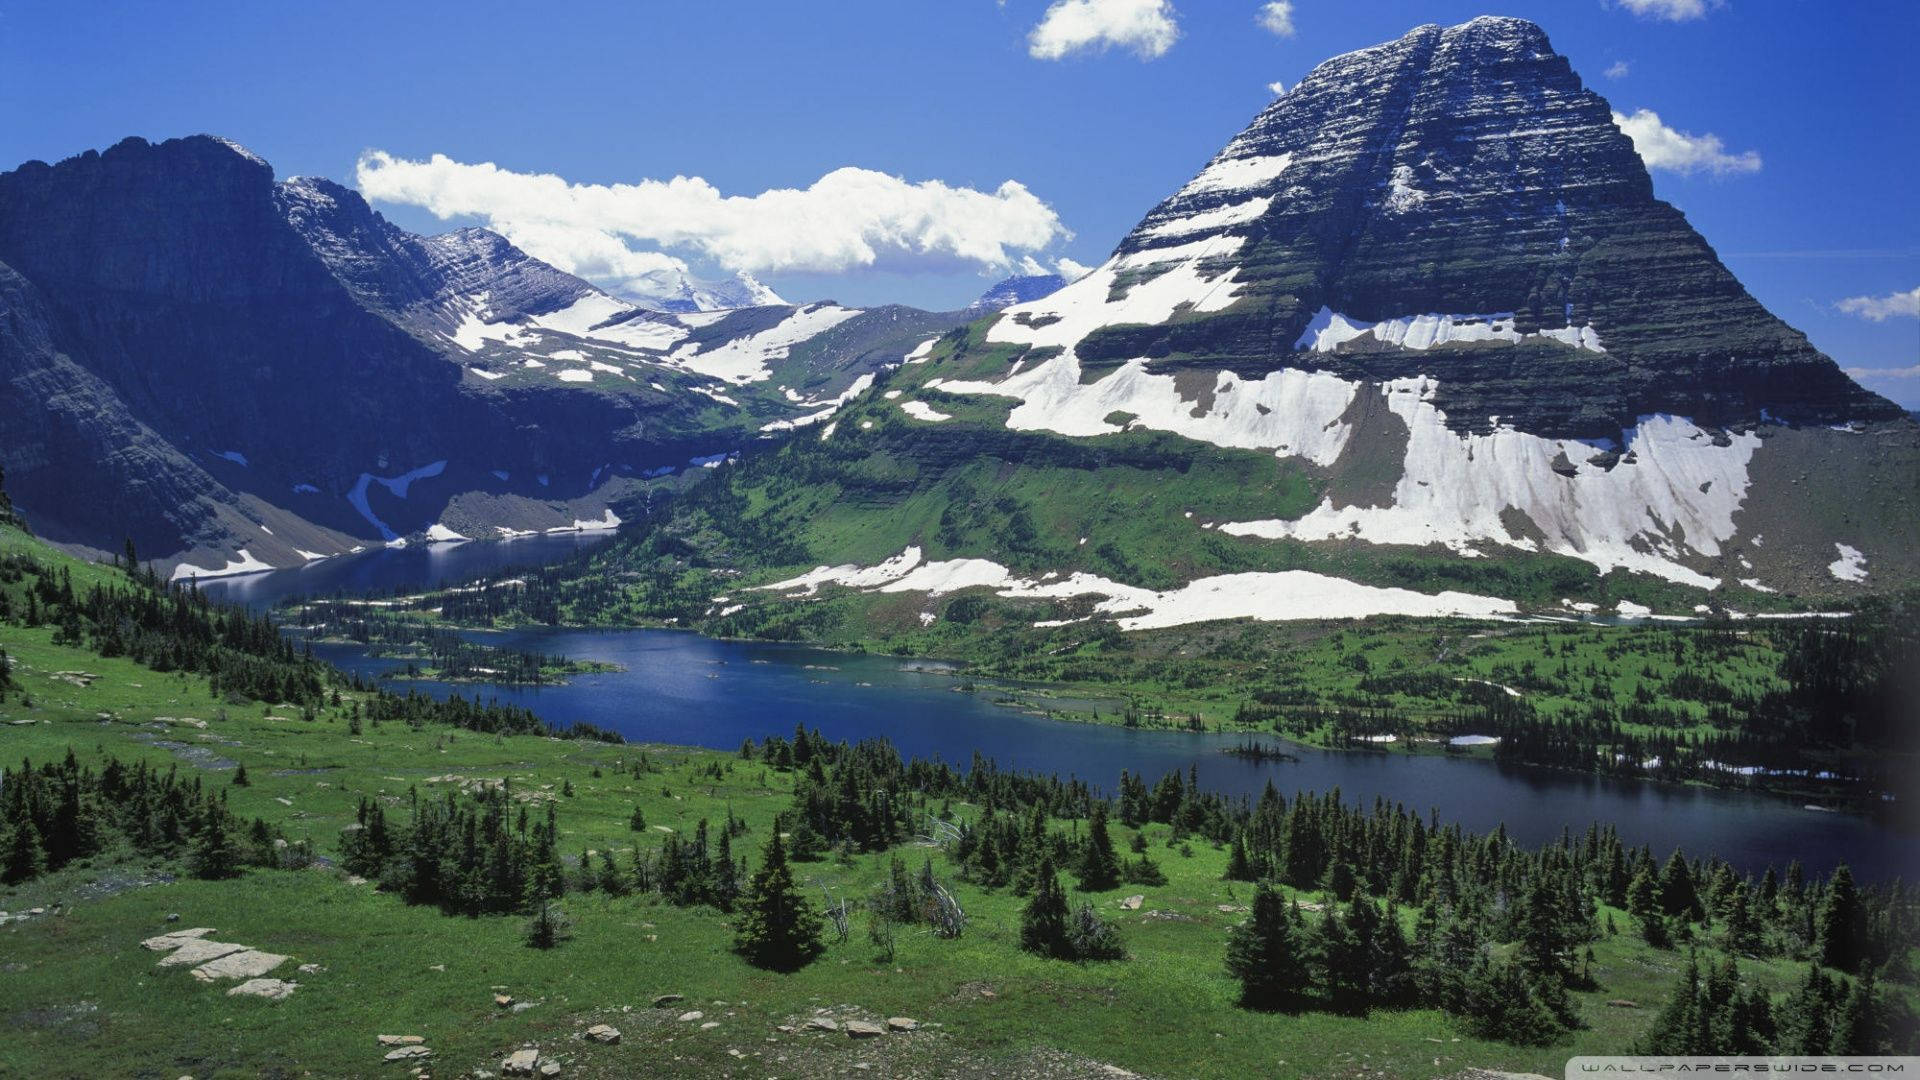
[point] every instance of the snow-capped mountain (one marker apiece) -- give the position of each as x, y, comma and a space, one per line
1422, 324
1019, 289
239, 373
678, 290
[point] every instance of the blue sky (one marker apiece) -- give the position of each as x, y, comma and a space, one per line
752, 96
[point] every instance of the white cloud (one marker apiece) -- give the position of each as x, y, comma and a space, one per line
1276, 16
1277, 88
1071, 270
846, 220
1881, 308
1145, 26
1670, 10
1662, 147
1619, 69
1885, 373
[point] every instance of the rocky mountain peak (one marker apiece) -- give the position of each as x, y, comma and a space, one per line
1456, 187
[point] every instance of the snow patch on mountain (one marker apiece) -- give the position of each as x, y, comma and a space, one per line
745, 359
1266, 596
1672, 494
1063, 319
1290, 411
920, 410
1219, 217
1329, 330
1238, 173
1850, 566
242, 563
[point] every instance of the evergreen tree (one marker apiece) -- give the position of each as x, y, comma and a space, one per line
1099, 868
214, 855
1089, 937
1837, 926
1238, 866
777, 929
1043, 922
22, 854
1643, 903
1858, 1028
1266, 957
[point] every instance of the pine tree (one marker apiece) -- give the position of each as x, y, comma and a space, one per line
1837, 926
1643, 903
240, 777
638, 822
214, 855
777, 929
1238, 867
1679, 896
1858, 1029
1043, 922
1089, 937
1099, 868
1265, 955
22, 854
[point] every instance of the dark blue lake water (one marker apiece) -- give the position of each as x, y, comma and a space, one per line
682, 688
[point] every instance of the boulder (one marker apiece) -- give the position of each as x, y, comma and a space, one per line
604, 1033
520, 1063
902, 1023
409, 1053
864, 1029
821, 1023
502, 1001
1132, 903
665, 1000
400, 1040
690, 1017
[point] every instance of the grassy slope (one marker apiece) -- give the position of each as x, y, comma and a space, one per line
82, 999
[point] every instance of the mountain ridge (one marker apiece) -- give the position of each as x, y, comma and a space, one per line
240, 370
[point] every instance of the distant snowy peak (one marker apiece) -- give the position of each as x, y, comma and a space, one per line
1019, 289
677, 290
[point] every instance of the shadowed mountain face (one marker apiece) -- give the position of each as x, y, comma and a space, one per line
1422, 324
208, 362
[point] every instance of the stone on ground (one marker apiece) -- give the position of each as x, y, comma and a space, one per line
245, 964
690, 1017
400, 1040
821, 1023
271, 989
902, 1023
520, 1063
502, 1000
863, 1029
1132, 903
193, 952
409, 1053
173, 939
604, 1033
665, 1000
